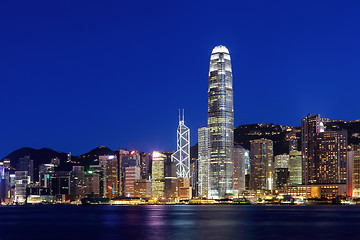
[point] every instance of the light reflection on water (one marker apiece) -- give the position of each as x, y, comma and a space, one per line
180, 222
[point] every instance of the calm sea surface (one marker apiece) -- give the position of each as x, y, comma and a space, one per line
179, 222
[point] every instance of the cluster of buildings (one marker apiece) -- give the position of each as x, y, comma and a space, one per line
319, 165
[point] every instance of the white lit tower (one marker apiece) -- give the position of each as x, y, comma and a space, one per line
220, 123
182, 156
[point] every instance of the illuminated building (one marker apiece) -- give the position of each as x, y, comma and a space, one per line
131, 175
92, 184
316, 190
158, 177
295, 166
356, 173
45, 173
261, 164
182, 155
60, 183
100, 171
145, 165
291, 137
111, 175
77, 182
21, 182
203, 161
171, 187
310, 127
220, 123
142, 188
240, 157
184, 189
324, 152
331, 154
126, 159
26, 164
281, 172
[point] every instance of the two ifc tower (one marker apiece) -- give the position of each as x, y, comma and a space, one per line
216, 141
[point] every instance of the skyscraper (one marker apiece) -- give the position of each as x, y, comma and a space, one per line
261, 164
310, 127
158, 177
220, 123
240, 157
182, 155
203, 160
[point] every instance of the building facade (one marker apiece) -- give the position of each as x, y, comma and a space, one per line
203, 161
158, 176
261, 164
240, 158
295, 168
182, 155
220, 123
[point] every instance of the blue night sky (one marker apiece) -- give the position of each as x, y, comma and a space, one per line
78, 74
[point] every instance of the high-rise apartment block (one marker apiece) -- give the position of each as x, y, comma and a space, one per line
220, 123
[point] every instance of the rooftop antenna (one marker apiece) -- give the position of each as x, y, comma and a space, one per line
179, 115
183, 118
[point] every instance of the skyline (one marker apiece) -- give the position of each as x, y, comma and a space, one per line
81, 50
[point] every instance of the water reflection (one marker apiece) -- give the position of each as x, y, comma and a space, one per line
180, 222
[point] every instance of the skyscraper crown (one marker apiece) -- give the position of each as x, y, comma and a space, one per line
220, 49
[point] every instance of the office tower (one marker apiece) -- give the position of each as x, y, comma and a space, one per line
240, 156
295, 168
331, 153
182, 155
45, 173
145, 165
92, 184
310, 127
21, 182
262, 165
126, 159
184, 188
158, 178
356, 173
171, 188
203, 161
282, 161
101, 171
60, 183
142, 188
220, 123
110, 163
26, 164
77, 182
131, 175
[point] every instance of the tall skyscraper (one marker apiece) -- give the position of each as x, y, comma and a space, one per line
332, 156
261, 164
324, 152
203, 161
310, 127
182, 156
295, 165
158, 177
220, 123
